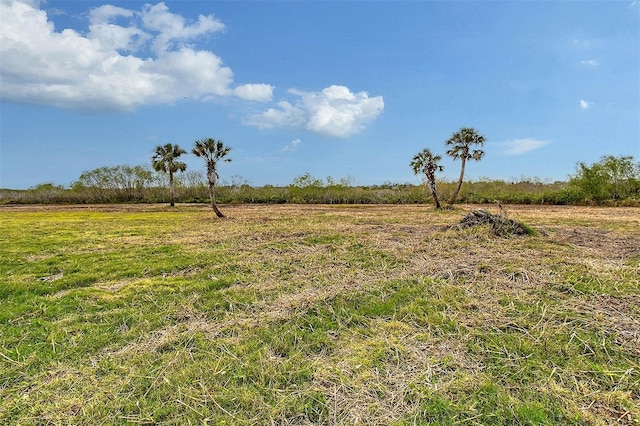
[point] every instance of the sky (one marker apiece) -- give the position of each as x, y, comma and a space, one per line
347, 89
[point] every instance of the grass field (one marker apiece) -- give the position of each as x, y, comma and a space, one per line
317, 315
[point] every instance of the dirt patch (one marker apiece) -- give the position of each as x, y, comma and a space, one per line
612, 245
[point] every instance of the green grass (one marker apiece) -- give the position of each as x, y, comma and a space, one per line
317, 315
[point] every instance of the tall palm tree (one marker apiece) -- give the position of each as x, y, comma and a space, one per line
165, 160
460, 147
426, 163
212, 151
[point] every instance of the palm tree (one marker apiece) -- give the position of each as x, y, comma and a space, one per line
212, 151
461, 143
164, 160
426, 163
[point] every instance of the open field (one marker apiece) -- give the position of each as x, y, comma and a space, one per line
141, 314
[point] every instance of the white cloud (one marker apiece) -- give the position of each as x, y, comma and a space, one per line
254, 92
285, 115
102, 70
334, 111
521, 146
172, 27
585, 104
292, 146
104, 14
591, 63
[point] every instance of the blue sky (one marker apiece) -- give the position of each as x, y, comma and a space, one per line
342, 89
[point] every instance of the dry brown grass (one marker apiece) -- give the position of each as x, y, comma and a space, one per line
578, 277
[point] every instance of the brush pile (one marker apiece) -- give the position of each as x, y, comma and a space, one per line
500, 225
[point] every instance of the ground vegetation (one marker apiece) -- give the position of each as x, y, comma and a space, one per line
318, 314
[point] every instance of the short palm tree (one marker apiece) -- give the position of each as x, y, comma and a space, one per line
460, 145
212, 151
426, 163
165, 160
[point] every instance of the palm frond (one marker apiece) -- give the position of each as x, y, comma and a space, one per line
165, 156
460, 144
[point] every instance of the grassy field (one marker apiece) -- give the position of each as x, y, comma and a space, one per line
317, 315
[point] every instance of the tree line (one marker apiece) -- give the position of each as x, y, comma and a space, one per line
609, 181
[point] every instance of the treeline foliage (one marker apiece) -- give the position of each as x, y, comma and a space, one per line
117, 183
611, 181
611, 178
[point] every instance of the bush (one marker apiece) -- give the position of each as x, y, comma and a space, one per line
612, 181
611, 178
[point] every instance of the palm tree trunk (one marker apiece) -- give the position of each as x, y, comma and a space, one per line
434, 194
432, 187
213, 201
172, 189
212, 177
455, 194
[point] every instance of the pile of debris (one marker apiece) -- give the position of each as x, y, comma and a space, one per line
500, 225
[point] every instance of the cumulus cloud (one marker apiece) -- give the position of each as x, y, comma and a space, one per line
521, 146
254, 92
292, 146
126, 59
585, 104
105, 13
334, 111
173, 28
283, 115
